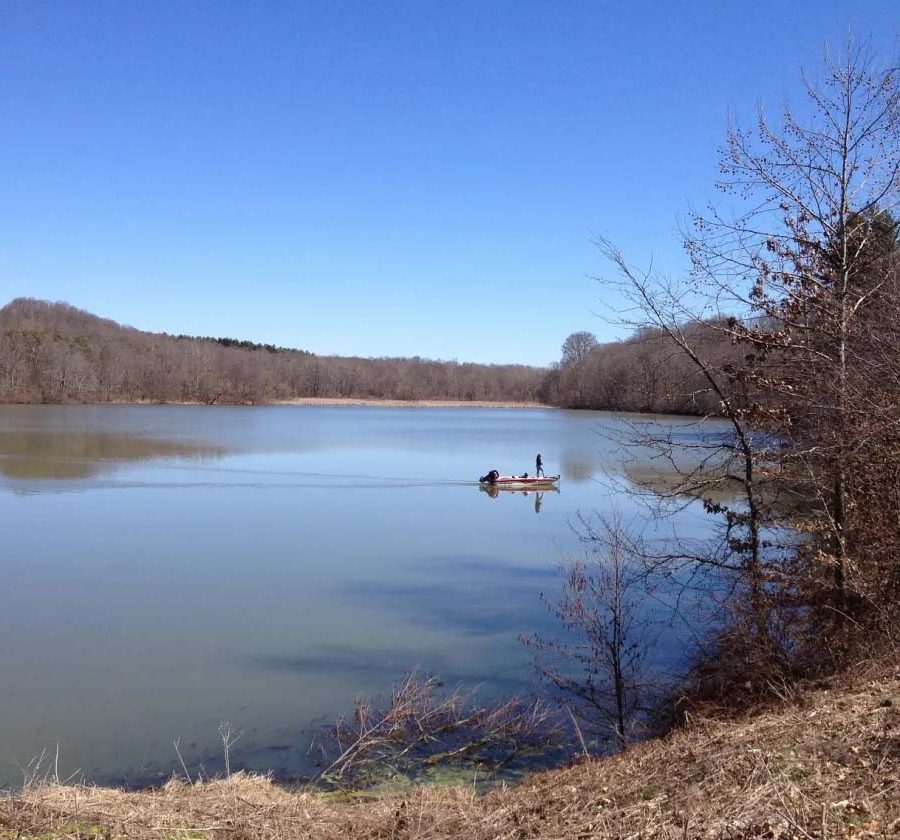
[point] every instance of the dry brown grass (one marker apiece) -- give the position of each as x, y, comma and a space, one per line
827, 766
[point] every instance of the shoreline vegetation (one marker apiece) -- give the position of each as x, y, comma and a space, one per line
385, 403
325, 402
54, 353
824, 765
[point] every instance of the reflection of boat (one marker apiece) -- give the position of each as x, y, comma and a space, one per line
517, 482
494, 490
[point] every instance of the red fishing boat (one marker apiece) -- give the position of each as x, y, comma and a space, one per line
518, 482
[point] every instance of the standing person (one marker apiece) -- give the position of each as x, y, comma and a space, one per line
539, 466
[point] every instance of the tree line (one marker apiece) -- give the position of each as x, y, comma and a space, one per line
53, 352
642, 373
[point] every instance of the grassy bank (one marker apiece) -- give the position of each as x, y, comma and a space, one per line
825, 765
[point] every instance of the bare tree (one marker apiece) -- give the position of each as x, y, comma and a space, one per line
576, 348
805, 257
745, 460
598, 663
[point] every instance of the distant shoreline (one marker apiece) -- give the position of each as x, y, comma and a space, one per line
334, 402
378, 403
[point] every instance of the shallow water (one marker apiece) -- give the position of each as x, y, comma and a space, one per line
167, 568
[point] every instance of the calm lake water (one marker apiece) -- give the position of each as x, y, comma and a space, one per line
164, 569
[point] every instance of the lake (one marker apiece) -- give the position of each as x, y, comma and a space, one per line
167, 568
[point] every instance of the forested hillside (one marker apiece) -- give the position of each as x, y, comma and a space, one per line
53, 352
642, 373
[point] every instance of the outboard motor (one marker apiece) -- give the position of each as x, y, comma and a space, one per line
490, 478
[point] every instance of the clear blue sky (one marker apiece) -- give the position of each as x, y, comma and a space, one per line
375, 178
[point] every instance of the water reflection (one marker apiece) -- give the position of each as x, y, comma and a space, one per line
468, 598
664, 480
493, 491
578, 469
36, 456
382, 666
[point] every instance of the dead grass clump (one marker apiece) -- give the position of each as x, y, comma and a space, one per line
828, 768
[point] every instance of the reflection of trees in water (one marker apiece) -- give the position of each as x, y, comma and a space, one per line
579, 467
710, 484
73, 455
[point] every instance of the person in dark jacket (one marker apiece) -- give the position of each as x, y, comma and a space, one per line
539, 466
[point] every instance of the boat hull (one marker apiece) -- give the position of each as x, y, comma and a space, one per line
513, 482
